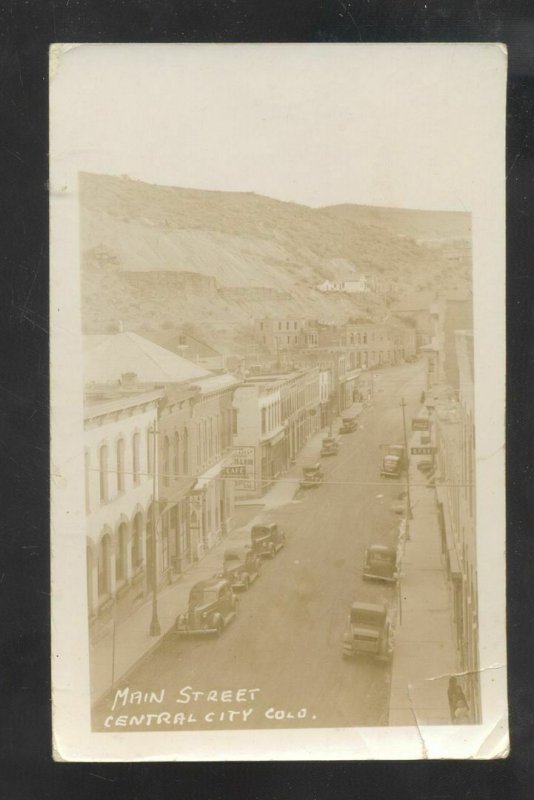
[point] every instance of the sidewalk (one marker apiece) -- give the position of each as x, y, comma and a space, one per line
425, 651
112, 658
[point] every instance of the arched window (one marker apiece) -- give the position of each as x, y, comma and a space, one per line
136, 450
176, 454
150, 451
87, 481
104, 558
199, 444
137, 541
166, 460
120, 465
120, 552
103, 467
89, 563
186, 451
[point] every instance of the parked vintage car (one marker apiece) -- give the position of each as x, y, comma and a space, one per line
391, 466
241, 567
369, 631
398, 450
330, 446
349, 424
381, 563
312, 476
212, 606
267, 539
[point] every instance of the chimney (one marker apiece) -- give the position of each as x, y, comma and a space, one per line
128, 379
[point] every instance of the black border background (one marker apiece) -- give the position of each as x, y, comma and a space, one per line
26, 29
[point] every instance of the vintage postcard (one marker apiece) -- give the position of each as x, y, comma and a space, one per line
277, 371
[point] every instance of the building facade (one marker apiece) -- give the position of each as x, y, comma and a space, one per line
120, 453
277, 335
456, 492
275, 416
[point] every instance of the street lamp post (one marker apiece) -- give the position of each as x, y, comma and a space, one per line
155, 628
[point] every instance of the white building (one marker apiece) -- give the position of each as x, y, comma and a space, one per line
352, 285
119, 491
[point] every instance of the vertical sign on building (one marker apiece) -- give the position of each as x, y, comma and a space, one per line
246, 457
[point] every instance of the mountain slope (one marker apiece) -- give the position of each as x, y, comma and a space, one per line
165, 256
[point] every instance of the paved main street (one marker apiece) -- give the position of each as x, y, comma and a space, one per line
287, 638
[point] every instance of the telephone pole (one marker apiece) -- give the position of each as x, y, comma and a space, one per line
409, 514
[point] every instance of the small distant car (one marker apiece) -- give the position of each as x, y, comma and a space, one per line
312, 476
349, 424
241, 567
420, 424
212, 606
369, 631
381, 563
330, 446
267, 539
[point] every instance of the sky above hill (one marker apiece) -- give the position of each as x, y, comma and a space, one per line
314, 124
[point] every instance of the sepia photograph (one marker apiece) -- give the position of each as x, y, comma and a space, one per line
277, 300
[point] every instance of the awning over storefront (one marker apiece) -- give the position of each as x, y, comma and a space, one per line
213, 472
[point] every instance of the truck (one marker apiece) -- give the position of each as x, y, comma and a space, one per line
394, 461
212, 606
369, 631
267, 539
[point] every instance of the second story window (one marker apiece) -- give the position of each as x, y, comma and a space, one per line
103, 467
176, 454
263, 420
166, 460
136, 448
120, 465
150, 441
87, 481
186, 451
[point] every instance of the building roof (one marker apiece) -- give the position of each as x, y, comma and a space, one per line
108, 357
170, 340
216, 383
107, 402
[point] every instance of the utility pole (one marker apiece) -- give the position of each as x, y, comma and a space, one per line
409, 514
155, 629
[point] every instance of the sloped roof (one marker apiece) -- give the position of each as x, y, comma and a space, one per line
171, 341
107, 358
216, 383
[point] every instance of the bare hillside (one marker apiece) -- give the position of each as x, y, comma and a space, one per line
165, 256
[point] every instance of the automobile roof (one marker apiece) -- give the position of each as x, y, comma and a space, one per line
208, 583
368, 607
382, 547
